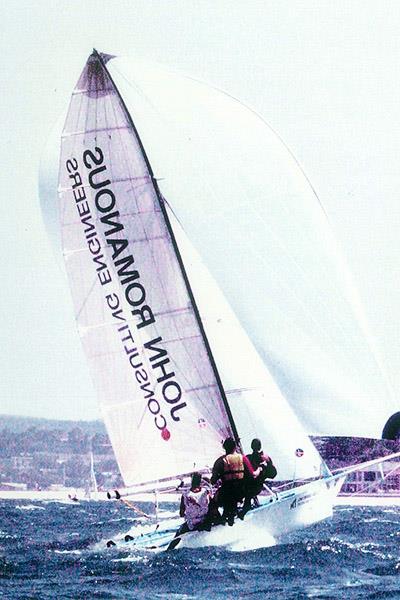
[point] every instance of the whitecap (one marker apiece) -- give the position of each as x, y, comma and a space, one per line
29, 507
366, 548
135, 558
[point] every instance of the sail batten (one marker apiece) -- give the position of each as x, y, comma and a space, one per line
85, 132
122, 180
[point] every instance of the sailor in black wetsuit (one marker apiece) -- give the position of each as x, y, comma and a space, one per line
253, 486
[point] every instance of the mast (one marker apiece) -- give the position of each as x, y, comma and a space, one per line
177, 254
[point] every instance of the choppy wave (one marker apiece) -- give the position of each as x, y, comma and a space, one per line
61, 552
29, 507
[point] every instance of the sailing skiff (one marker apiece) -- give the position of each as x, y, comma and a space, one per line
174, 371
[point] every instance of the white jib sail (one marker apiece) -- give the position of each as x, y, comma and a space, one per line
257, 405
239, 182
158, 392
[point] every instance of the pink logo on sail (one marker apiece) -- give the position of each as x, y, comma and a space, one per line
299, 452
202, 423
165, 434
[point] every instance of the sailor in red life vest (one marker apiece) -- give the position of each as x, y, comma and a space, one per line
231, 470
253, 486
194, 506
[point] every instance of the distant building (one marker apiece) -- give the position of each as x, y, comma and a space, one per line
377, 480
22, 462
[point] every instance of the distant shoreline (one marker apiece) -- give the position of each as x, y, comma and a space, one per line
63, 495
371, 500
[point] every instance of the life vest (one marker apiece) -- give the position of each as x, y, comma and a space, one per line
233, 467
196, 507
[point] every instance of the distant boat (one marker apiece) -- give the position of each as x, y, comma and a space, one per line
92, 491
174, 370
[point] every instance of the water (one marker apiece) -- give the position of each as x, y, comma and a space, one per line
55, 551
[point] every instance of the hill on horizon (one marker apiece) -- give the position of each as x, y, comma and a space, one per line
19, 424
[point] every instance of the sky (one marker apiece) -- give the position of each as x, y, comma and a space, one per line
324, 75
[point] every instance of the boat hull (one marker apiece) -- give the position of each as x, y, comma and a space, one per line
263, 526
274, 518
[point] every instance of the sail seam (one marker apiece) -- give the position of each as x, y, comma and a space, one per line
114, 405
122, 180
83, 330
138, 241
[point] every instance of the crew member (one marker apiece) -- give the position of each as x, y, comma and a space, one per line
253, 486
195, 506
231, 469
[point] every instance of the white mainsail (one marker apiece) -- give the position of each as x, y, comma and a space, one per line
161, 393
